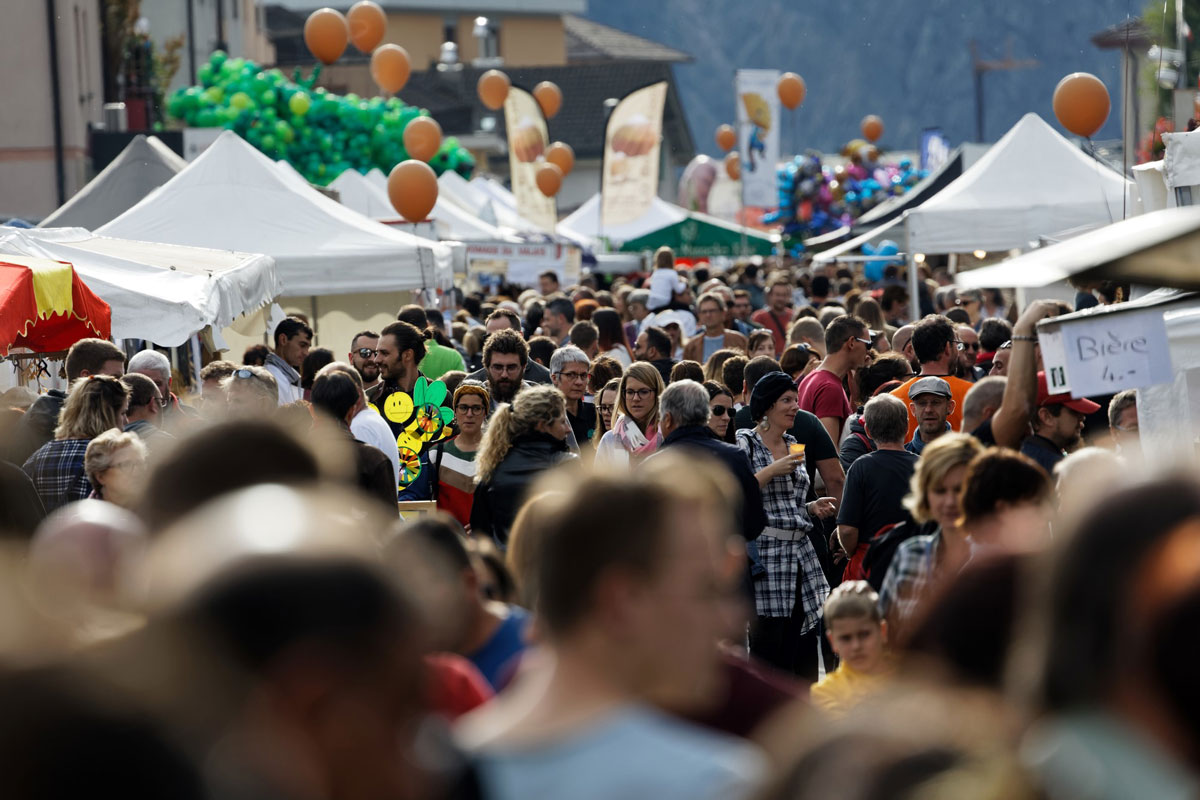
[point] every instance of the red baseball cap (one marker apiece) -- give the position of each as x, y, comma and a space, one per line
1082, 404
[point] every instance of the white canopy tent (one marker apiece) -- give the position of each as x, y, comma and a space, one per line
1160, 248
481, 204
233, 197
584, 223
874, 236
144, 165
163, 293
1032, 183
496, 190
367, 194
360, 194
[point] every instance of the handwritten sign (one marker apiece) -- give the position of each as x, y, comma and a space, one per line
1112, 352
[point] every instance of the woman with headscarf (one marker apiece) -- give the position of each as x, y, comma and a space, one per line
454, 460
635, 435
789, 597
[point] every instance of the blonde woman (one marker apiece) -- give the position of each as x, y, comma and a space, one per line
635, 434
94, 405
523, 439
937, 549
115, 463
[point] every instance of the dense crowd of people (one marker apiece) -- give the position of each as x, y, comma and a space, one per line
772, 531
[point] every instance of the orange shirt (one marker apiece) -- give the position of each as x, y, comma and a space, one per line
958, 388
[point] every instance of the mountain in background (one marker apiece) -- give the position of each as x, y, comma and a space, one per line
906, 60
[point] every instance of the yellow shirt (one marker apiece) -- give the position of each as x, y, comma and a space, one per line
841, 690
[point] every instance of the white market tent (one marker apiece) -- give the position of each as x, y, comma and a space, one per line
584, 223
495, 190
1032, 183
234, 197
163, 293
482, 205
144, 165
367, 194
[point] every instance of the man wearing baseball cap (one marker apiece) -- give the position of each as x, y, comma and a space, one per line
1057, 425
931, 402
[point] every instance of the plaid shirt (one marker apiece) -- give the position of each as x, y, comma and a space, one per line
56, 470
914, 569
785, 561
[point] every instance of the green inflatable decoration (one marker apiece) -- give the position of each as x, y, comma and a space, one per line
319, 133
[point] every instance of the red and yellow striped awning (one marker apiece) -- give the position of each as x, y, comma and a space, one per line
46, 307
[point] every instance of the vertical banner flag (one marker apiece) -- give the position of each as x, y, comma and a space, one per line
758, 134
935, 148
632, 142
527, 143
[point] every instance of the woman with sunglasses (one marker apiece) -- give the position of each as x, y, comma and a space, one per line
634, 435
454, 461
720, 403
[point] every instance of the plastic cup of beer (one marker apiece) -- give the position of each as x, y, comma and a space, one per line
796, 449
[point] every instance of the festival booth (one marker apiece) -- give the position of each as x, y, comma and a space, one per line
1151, 344
339, 268
45, 306
144, 165
161, 293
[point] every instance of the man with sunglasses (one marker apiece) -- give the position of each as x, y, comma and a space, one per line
969, 352
362, 358
822, 393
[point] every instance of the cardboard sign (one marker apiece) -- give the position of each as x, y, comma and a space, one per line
1054, 360
1112, 352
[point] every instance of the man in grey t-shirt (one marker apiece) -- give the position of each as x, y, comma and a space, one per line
630, 588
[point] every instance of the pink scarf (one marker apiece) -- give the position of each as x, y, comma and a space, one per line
632, 438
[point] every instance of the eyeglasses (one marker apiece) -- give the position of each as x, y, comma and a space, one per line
467, 409
605, 409
973, 346
365, 352
962, 301
243, 373
867, 342
574, 376
719, 411
958, 344
640, 394
504, 368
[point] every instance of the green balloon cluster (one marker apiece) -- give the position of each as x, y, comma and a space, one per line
319, 133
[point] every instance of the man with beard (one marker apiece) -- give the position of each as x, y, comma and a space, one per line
505, 355
1057, 426
931, 402
399, 350
653, 345
362, 358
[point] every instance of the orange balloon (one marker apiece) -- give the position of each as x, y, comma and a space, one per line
367, 24
413, 189
872, 128
493, 88
422, 138
326, 34
549, 97
726, 138
733, 165
562, 156
791, 89
1081, 103
390, 67
549, 179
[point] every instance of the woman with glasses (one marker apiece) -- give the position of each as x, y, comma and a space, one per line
606, 406
720, 403
635, 434
453, 461
94, 405
523, 439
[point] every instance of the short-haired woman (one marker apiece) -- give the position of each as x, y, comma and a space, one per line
789, 597
115, 463
635, 434
523, 439
94, 405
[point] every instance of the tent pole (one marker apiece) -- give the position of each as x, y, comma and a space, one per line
914, 297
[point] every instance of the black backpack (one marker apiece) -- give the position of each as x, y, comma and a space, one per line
882, 549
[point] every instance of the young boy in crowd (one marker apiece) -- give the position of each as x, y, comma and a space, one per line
858, 634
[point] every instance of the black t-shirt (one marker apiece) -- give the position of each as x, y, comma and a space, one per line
875, 489
984, 433
583, 425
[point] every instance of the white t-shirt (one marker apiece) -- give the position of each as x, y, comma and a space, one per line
620, 354
664, 283
370, 428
